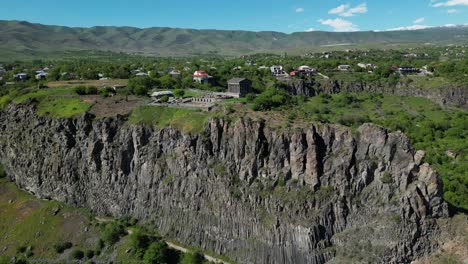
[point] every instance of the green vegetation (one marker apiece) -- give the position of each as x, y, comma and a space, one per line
387, 178
2, 172
192, 121
111, 233
40, 229
47, 230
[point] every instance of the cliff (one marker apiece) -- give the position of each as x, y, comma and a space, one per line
241, 189
447, 95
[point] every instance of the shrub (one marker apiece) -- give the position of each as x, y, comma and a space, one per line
81, 90
89, 254
112, 232
250, 97
139, 242
62, 246
156, 253
91, 90
192, 258
2, 172
164, 99
77, 254
271, 98
179, 93
387, 178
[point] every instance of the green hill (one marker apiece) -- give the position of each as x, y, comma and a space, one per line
19, 38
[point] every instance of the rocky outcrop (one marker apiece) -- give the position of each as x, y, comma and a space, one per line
255, 194
447, 95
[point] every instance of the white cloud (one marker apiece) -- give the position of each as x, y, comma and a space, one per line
339, 25
338, 10
419, 20
299, 10
347, 11
451, 3
413, 27
452, 11
310, 30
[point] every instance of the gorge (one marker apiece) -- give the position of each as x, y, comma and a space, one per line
255, 194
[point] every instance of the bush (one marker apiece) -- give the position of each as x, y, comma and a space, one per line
156, 253
112, 232
179, 93
387, 178
271, 98
77, 254
89, 254
2, 172
81, 90
62, 246
192, 258
139, 242
164, 99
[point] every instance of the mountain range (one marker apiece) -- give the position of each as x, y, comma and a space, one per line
19, 38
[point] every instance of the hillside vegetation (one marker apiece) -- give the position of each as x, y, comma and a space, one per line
23, 39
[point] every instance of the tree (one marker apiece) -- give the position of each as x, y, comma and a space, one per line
179, 93
156, 253
192, 258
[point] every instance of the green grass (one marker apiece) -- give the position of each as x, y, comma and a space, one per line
425, 81
62, 107
28, 221
192, 121
59, 102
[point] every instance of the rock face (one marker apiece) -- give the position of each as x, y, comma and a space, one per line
241, 189
445, 95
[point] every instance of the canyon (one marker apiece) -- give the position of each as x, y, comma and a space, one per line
241, 189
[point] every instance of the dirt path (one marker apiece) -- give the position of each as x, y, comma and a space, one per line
185, 250
171, 245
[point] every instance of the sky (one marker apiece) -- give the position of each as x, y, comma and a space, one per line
253, 15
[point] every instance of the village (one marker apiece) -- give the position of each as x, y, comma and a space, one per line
207, 82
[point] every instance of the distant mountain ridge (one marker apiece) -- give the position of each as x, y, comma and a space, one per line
18, 37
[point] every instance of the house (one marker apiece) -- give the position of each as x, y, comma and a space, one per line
20, 77
239, 87
276, 70
304, 70
408, 70
201, 77
41, 75
344, 67
175, 74
142, 74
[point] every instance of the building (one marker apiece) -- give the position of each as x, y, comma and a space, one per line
277, 70
408, 70
175, 74
142, 74
202, 77
344, 67
239, 86
21, 77
304, 70
41, 75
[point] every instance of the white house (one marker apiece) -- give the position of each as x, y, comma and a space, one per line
277, 70
344, 67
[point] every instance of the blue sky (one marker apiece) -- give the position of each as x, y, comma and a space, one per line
257, 15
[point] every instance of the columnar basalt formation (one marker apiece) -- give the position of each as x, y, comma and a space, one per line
242, 189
